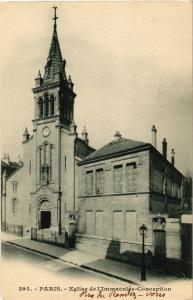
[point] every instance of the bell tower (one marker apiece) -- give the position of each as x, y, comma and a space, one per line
53, 93
54, 136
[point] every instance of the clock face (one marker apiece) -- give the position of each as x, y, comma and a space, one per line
46, 131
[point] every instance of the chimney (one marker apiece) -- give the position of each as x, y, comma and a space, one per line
26, 135
6, 158
154, 137
85, 135
164, 148
117, 136
173, 157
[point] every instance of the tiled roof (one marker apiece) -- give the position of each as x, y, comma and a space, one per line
82, 149
114, 147
55, 64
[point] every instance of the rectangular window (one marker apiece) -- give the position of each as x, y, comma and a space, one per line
89, 223
131, 226
14, 185
169, 186
131, 177
118, 225
99, 223
118, 179
179, 190
99, 181
175, 189
14, 206
172, 188
164, 184
89, 182
29, 209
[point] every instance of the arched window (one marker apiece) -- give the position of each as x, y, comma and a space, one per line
41, 107
14, 205
40, 163
46, 153
46, 162
46, 100
51, 160
51, 105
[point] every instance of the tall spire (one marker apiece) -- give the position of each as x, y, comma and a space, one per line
55, 66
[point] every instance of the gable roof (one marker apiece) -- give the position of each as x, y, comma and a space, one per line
112, 148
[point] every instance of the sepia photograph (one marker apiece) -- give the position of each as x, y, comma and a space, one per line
96, 150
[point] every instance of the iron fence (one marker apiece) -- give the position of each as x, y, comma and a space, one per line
48, 236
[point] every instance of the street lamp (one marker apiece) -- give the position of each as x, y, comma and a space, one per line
143, 232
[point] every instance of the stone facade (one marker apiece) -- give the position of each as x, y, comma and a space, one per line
111, 192
42, 193
150, 194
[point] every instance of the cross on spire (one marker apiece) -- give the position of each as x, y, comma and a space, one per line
55, 17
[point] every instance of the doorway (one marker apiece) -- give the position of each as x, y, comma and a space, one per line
160, 243
160, 247
45, 219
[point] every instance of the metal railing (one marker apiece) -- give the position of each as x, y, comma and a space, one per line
47, 236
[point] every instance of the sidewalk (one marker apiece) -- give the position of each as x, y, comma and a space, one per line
118, 270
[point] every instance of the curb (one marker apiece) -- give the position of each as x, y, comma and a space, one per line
81, 266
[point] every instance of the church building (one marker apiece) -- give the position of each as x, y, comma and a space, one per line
109, 192
42, 193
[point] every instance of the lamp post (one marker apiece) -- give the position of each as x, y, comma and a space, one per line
143, 232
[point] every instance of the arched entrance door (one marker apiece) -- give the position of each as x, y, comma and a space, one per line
44, 214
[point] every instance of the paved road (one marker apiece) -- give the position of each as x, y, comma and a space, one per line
30, 276
17, 256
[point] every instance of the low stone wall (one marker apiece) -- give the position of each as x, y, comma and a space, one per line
130, 253
113, 249
13, 229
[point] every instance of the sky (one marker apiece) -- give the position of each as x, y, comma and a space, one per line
131, 64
